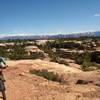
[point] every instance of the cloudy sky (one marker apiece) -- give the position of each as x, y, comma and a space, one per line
49, 16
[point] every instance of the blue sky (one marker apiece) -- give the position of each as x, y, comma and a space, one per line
49, 16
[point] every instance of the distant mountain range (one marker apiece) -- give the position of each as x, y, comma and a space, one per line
89, 34
97, 33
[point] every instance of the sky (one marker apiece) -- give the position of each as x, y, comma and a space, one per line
49, 16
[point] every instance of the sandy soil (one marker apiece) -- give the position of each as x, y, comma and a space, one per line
21, 85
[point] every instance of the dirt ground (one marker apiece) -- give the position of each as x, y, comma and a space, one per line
21, 85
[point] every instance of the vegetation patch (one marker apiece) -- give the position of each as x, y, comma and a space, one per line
85, 61
48, 75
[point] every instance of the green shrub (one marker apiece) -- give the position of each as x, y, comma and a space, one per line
37, 55
86, 66
18, 52
48, 75
3, 52
79, 60
62, 61
83, 59
53, 56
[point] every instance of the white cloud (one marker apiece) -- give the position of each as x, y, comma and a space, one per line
96, 15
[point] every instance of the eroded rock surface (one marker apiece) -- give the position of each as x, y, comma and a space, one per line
21, 85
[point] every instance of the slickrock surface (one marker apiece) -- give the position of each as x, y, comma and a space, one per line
21, 85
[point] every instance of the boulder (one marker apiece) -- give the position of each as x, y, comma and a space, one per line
83, 82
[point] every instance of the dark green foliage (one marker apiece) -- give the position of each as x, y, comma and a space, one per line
86, 61
48, 49
3, 52
17, 51
36, 55
56, 57
62, 61
80, 58
48, 75
20, 53
83, 59
86, 66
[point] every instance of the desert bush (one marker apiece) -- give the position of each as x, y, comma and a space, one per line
46, 47
48, 75
3, 51
53, 56
19, 55
37, 55
62, 61
89, 66
84, 60
86, 66
79, 60
18, 52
